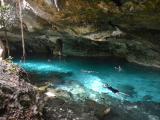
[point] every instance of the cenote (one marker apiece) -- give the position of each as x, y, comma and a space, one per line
140, 82
64, 39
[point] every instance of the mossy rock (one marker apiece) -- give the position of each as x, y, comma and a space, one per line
46, 85
42, 89
99, 109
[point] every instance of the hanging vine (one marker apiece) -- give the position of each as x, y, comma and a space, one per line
23, 45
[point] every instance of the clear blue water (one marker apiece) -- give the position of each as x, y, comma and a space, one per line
140, 82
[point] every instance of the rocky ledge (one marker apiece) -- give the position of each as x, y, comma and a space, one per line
21, 100
18, 98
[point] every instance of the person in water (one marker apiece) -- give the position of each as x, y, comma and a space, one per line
114, 90
49, 60
88, 71
20, 61
118, 68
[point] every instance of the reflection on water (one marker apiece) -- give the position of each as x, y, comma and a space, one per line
140, 82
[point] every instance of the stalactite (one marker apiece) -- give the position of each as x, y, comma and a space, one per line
56, 4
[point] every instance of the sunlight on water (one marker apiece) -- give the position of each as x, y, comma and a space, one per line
95, 84
140, 82
41, 67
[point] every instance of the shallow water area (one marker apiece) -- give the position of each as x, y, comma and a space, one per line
140, 82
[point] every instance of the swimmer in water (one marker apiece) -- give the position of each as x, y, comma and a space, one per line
114, 90
118, 68
92, 71
20, 61
49, 60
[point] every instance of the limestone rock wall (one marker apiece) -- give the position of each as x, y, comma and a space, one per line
90, 28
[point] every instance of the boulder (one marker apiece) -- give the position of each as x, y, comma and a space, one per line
58, 108
18, 98
99, 109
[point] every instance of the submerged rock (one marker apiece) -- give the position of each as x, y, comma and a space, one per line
42, 87
153, 117
61, 93
99, 109
45, 85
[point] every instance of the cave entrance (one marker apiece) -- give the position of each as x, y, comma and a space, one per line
118, 2
58, 47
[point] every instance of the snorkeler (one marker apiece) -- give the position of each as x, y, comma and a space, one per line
89, 71
114, 90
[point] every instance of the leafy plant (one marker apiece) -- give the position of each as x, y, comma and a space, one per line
11, 67
6, 21
9, 59
23, 107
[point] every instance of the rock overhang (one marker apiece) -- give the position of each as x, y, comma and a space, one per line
89, 23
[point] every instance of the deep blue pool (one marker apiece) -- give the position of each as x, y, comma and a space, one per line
140, 82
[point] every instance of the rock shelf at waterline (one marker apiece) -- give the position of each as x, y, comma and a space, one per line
21, 100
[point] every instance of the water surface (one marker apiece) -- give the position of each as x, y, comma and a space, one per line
140, 82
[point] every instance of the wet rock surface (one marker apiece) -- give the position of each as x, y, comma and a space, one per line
71, 110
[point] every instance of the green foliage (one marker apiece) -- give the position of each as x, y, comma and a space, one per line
11, 68
5, 7
9, 59
6, 19
8, 16
23, 107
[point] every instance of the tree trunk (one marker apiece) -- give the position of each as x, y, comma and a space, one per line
2, 50
7, 43
5, 31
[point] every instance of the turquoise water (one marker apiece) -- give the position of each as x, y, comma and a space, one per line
140, 82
